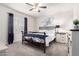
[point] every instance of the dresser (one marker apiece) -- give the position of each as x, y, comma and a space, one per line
75, 42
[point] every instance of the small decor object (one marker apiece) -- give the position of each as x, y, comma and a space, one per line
57, 26
76, 23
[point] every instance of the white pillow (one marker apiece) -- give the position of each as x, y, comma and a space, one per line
27, 37
42, 30
50, 32
62, 30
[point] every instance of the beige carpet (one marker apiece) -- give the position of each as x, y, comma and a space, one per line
17, 49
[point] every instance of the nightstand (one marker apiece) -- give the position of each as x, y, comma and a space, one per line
61, 37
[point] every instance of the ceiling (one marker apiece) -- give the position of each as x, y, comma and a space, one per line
24, 8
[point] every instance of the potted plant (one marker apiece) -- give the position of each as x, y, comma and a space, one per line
76, 23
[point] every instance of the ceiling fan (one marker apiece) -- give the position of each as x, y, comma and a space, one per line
36, 6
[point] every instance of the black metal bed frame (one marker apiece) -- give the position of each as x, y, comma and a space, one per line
31, 34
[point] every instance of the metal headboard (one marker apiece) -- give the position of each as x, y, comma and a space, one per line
47, 28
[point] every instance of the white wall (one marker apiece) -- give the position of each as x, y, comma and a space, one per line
61, 15
65, 20
18, 23
76, 11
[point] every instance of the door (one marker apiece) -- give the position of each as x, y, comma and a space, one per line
10, 28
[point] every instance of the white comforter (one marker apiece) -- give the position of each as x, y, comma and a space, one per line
51, 36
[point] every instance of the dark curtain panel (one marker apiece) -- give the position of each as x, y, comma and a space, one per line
25, 25
10, 28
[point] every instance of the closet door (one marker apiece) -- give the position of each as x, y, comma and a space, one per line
10, 28
25, 25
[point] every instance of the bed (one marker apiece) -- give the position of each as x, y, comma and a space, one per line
42, 38
32, 38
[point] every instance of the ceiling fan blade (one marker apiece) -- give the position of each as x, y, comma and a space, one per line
29, 4
43, 6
